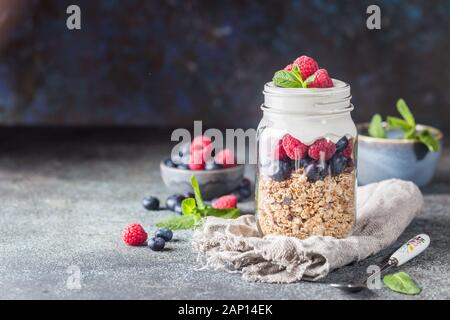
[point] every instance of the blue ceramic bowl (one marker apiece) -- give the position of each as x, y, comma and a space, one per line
380, 159
212, 183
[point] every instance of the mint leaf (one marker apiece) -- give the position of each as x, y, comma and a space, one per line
397, 123
376, 128
223, 213
298, 75
198, 195
401, 282
188, 206
427, 138
177, 222
403, 109
286, 79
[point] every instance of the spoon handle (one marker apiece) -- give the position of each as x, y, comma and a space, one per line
410, 249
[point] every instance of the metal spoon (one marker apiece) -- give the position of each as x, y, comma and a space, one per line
406, 252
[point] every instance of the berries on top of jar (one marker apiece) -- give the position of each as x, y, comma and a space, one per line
197, 155
319, 159
304, 72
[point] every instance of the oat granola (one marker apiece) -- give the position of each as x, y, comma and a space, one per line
301, 208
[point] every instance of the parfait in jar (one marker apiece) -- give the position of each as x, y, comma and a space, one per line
306, 177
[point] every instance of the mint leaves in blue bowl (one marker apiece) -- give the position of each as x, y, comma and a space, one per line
398, 148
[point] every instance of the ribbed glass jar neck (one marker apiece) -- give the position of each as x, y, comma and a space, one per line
308, 102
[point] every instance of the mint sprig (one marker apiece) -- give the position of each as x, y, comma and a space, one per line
289, 79
376, 127
194, 209
407, 125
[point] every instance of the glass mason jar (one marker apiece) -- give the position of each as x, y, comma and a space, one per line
306, 173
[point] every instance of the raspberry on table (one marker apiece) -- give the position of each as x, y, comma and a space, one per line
321, 79
294, 148
225, 158
134, 235
307, 66
347, 152
225, 202
322, 149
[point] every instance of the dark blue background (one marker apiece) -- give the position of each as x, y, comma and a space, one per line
167, 63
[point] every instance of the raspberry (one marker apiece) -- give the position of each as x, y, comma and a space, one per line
306, 65
322, 149
278, 152
225, 158
294, 148
134, 235
288, 67
202, 144
347, 152
196, 160
225, 202
321, 79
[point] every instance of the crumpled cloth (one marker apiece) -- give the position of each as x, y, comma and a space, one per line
384, 210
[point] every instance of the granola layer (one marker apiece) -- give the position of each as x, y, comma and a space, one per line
300, 208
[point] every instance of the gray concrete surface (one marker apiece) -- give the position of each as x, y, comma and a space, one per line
65, 203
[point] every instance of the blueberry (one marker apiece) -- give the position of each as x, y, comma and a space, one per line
245, 183
338, 164
182, 166
278, 170
312, 172
156, 244
212, 165
169, 163
150, 203
188, 195
301, 163
324, 169
178, 209
244, 192
173, 200
184, 150
164, 233
341, 144
238, 195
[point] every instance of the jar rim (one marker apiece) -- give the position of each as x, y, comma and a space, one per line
308, 101
339, 87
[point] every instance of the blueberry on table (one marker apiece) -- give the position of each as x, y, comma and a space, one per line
338, 164
188, 195
212, 165
245, 183
173, 200
156, 244
178, 209
169, 163
238, 195
150, 203
341, 144
244, 192
164, 233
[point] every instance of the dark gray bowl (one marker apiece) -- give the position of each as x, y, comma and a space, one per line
212, 183
380, 159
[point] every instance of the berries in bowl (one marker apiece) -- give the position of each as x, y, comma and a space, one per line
217, 174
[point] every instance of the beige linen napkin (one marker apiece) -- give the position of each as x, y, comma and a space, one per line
384, 210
